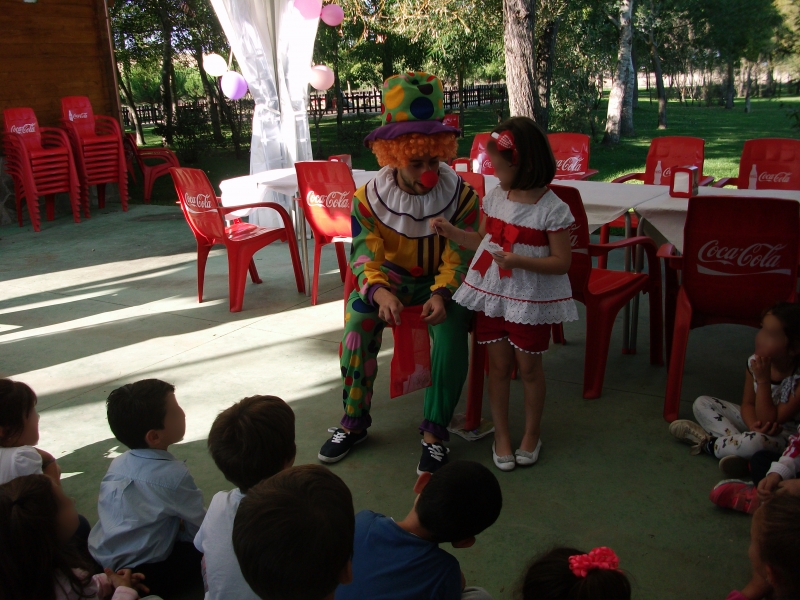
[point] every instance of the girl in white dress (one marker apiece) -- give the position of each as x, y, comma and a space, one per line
517, 283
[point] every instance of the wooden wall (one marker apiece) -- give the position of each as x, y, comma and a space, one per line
55, 48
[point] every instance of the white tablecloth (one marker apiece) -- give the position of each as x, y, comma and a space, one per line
668, 214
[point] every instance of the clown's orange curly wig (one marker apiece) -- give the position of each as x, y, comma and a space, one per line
402, 150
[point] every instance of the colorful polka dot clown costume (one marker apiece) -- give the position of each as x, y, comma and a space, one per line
399, 262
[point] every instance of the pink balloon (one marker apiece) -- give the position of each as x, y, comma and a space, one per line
321, 77
333, 15
233, 85
310, 9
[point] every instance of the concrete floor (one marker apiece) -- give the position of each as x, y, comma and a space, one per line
87, 307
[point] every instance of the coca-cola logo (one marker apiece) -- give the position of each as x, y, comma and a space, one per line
487, 164
199, 201
27, 128
573, 234
73, 116
329, 200
666, 172
782, 177
756, 259
572, 164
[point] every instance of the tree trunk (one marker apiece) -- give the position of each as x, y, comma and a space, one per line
208, 87
519, 20
461, 106
747, 90
388, 57
729, 86
660, 92
337, 87
127, 94
166, 87
621, 81
545, 54
770, 85
634, 72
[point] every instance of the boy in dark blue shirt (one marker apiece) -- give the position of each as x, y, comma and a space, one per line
402, 560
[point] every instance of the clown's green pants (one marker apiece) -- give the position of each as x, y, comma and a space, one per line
361, 343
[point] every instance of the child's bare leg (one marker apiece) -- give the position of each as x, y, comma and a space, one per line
501, 362
532, 374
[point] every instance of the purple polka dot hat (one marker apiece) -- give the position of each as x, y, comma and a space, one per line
412, 102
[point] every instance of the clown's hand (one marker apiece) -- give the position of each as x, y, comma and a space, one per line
443, 227
434, 311
389, 306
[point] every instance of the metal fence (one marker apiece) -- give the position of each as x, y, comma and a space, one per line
354, 103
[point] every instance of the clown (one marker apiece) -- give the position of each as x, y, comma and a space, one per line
398, 262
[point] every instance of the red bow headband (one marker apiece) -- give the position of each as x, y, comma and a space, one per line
505, 142
599, 558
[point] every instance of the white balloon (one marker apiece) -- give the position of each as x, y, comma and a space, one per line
321, 77
215, 65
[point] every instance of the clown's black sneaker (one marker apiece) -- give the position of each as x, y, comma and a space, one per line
340, 443
433, 457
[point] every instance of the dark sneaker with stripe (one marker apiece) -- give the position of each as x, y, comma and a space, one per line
433, 457
339, 445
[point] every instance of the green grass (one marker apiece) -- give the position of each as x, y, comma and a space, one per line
725, 132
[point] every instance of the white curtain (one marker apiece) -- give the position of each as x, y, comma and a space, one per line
273, 45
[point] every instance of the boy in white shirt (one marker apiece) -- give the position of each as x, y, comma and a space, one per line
249, 442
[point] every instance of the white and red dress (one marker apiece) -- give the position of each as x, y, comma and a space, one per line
518, 304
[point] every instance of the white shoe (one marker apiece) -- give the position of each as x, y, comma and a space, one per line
504, 463
526, 459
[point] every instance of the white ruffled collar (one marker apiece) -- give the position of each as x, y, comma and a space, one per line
409, 214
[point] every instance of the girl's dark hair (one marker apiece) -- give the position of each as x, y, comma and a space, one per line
537, 165
16, 402
788, 313
777, 544
550, 578
31, 553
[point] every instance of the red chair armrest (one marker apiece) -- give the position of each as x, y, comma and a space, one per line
54, 137
653, 264
670, 256
589, 173
629, 177
705, 180
725, 181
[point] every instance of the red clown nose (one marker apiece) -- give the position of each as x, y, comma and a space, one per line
429, 179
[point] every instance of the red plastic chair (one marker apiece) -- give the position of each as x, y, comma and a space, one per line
40, 163
452, 120
767, 164
345, 158
164, 157
461, 165
480, 158
571, 151
477, 182
97, 147
665, 154
206, 218
739, 258
326, 196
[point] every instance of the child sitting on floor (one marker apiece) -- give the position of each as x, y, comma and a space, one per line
293, 535
402, 560
569, 574
250, 441
149, 507
767, 416
19, 431
37, 562
774, 532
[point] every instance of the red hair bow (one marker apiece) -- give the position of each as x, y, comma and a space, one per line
599, 558
505, 142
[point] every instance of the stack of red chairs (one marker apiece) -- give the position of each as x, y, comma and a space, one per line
161, 159
40, 164
97, 147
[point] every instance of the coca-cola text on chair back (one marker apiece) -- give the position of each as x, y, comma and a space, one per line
571, 151
740, 254
22, 122
78, 111
581, 267
326, 192
479, 156
770, 164
669, 152
199, 203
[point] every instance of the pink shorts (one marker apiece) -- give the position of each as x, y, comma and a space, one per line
534, 339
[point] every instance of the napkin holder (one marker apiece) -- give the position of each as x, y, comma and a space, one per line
685, 181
